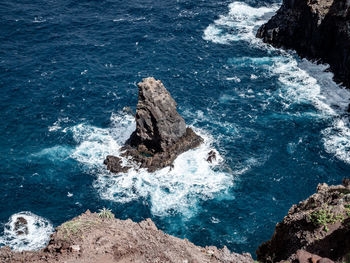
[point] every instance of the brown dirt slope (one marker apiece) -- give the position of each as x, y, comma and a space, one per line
92, 238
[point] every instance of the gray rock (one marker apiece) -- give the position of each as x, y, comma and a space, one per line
318, 30
158, 124
161, 133
21, 226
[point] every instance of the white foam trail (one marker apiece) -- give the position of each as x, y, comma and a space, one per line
308, 82
175, 190
337, 139
39, 231
56, 126
301, 82
96, 143
55, 153
239, 24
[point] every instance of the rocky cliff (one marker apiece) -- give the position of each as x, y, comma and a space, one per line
316, 29
161, 133
100, 238
316, 228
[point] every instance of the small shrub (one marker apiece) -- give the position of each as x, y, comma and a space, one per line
105, 213
323, 217
347, 209
75, 227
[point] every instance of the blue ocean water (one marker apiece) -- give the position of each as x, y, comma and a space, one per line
68, 68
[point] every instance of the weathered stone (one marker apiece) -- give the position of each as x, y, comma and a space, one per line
211, 156
303, 256
114, 164
318, 30
158, 124
161, 133
21, 226
318, 225
114, 240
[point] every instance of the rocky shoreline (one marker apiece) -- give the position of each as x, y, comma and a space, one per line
318, 30
100, 238
317, 230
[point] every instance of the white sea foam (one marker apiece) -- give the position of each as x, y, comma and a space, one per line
56, 126
301, 81
55, 153
240, 23
38, 235
169, 190
235, 79
94, 143
308, 82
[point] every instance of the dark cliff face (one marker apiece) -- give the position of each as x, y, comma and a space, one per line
319, 225
316, 29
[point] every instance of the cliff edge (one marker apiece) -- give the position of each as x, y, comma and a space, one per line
316, 29
100, 238
316, 228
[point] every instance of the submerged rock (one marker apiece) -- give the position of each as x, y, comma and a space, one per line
320, 225
318, 29
161, 133
211, 156
21, 226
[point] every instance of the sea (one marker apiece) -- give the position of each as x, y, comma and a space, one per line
68, 76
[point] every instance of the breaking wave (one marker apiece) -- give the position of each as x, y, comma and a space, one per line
301, 81
239, 24
34, 237
175, 190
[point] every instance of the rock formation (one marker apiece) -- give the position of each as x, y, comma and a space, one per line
21, 226
161, 133
320, 225
95, 238
317, 29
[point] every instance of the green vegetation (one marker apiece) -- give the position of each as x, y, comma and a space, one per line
347, 209
347, 258
75, 227
324, 216
105, 213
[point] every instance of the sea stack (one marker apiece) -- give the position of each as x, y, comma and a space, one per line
161, 133
318, 30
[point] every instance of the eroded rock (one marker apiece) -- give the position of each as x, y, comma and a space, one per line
161, 133
21, 226
211, 156
90, 238
318, 30
320, 225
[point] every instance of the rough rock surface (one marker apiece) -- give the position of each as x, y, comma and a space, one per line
21, 226
161, 133
316, 29
91, 239
319, 225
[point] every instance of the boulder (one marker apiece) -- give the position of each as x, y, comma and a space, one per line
21, 226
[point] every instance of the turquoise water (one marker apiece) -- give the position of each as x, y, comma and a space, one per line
68, 68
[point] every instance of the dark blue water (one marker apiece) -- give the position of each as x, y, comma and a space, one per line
68, 68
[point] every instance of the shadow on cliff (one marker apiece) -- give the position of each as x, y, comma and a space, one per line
317, 30
333, 246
